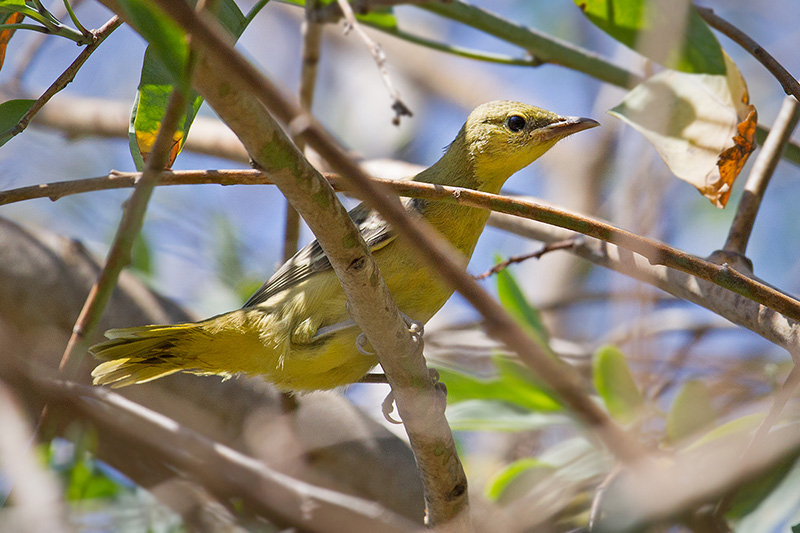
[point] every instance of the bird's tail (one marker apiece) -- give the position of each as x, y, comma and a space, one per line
141, 354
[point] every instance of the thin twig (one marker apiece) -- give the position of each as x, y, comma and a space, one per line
65, 78
753, 315
399, 107
784, 77
596, 511
759, 177
566, 244
33, 49
312, 43
129, 228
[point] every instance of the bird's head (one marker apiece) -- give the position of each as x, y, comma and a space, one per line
503, 137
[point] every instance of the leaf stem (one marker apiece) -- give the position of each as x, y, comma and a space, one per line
784, 77
65, 78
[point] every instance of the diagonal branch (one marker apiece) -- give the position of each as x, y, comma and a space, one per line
759, 177
64, 79
784, 77
129, 228
440, 255
285, 500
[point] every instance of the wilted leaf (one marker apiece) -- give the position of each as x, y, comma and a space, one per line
615, 385
5, 35
669, 32
517, 479
691, 412
702, 125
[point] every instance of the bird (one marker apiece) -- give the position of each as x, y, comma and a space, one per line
295, 331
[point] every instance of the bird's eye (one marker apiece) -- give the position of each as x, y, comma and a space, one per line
515, 123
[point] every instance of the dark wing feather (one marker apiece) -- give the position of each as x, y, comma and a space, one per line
311, 259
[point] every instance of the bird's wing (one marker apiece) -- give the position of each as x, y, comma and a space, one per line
311, 259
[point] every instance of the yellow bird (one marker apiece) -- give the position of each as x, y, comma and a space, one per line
295, 331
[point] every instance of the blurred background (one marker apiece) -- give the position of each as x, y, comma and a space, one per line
208, 247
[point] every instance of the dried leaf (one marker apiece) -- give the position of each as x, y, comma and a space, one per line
702, 125
5, 35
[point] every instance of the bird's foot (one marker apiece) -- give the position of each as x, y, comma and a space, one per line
387, 406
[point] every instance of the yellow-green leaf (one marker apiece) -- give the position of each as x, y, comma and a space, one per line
517, 479
691, 412
10, 114
155, 86
615, 385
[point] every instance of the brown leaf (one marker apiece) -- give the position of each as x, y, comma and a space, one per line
732, 160
5, 35
701, 125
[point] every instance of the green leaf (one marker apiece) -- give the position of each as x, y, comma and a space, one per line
691, 412
155, 87
486, 415
745, 424
615, 385
750, 496
86, 482
167, 38
669, 32
796, 528
515, 384
10, 114
517, 479
514, 301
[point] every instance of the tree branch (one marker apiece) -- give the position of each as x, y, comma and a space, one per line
740, 310
64, 79
757, 181
784, 77
129, 227
286, 501
657, 253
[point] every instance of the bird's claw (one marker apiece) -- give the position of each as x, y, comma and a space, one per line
416, 328
361, 343
387, 406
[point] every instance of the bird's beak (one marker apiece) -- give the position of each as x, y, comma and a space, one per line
567, 126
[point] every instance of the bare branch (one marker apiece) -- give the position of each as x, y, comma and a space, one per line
286, 501
787, 81
399, 107
759, 177
741, 310
129, 227
656, 253
65, 78
566, 244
